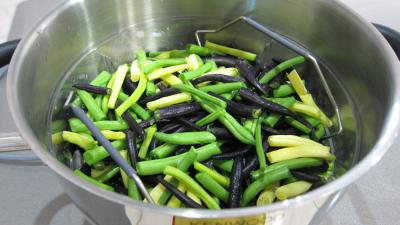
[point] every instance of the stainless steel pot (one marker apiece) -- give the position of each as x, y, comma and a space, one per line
80, 37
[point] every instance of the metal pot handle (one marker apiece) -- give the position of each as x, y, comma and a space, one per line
11, 142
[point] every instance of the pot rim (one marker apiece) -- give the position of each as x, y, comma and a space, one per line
389, 132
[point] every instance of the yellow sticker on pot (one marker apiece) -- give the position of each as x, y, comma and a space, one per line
248, 220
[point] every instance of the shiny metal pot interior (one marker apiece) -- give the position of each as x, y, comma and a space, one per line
79, 38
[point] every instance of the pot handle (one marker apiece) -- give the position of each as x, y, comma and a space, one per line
391, 36
11, 142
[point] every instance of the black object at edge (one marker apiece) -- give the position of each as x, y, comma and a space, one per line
6, 51
392, 36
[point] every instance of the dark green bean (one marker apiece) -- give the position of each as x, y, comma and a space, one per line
212, 186
260, 184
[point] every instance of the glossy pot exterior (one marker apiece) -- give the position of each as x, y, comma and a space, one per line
75, 41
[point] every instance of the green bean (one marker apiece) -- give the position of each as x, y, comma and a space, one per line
249, 125
259, 146
184, 164
319, 132
133, 190
102, 79
108, 174
195, 49
139, 110
168, 101
163, 63
291, 164
150, 88
296, 124
99, 153
229, 96
202, 95
237, 130
286, 102
223, 180
292, 190
223, 88
212, 186
178, 53
134, 97
93, 181
225, 165
146, 142
299, 152
156, 166
94, 110
104, 101
260, 184
192, 185
163, 151
187, 161
283, 91
198, 72
231, 51
57, 138
77, 126
291, 179
186, 138
117, 85
82, 141
280, 68
98, 100
232, 125
163, 55
210, 118
154, 54
141, 58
